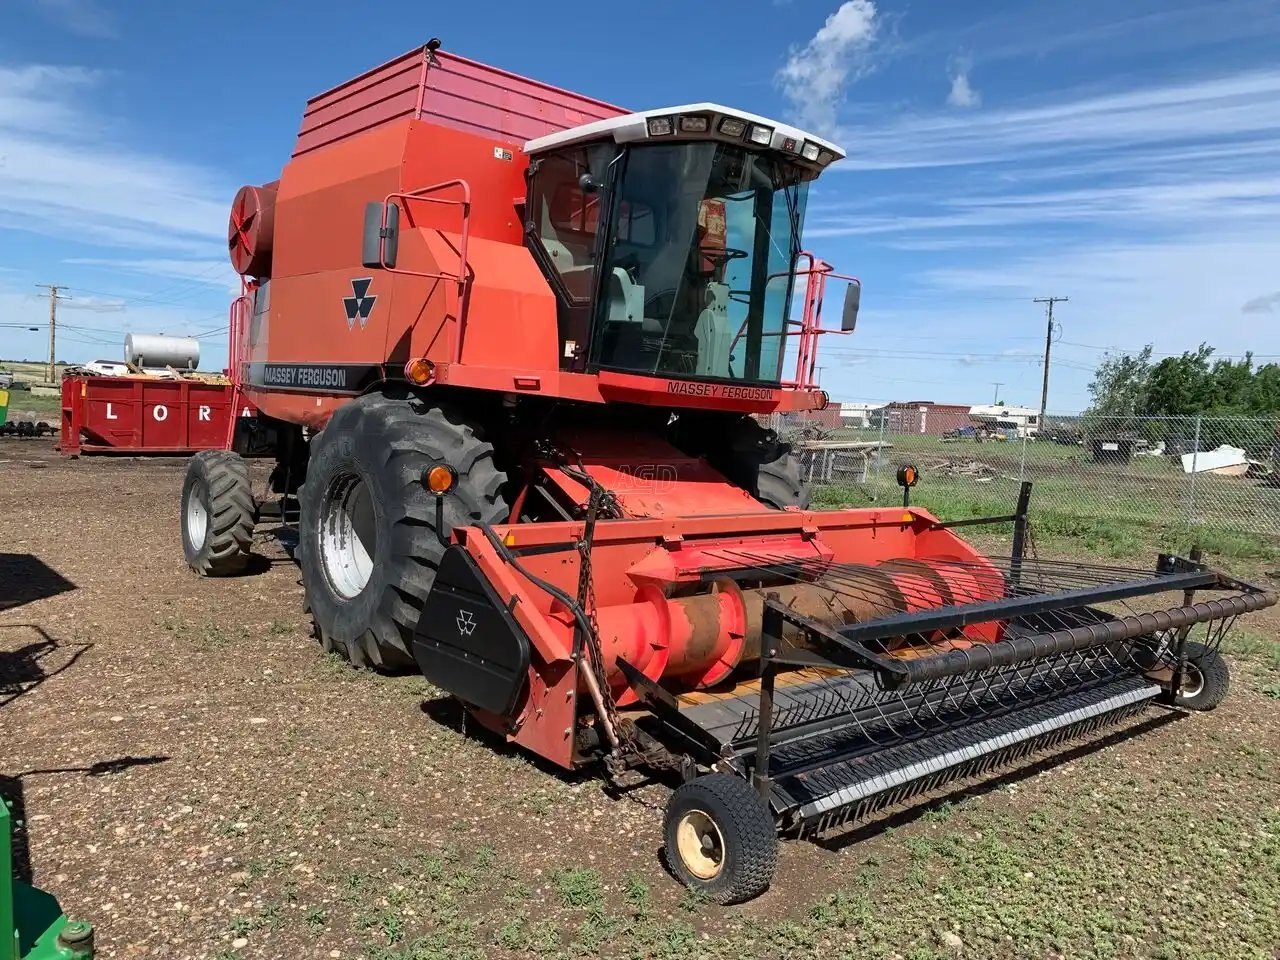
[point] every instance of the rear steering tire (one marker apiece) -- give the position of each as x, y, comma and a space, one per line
367, 538
753, 458
217, 513
720, 839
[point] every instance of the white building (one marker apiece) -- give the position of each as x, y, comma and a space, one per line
1026, 420
857, 415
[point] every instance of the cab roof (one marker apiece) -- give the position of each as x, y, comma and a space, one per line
695, 121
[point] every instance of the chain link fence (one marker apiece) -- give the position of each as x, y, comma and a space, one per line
1196, 473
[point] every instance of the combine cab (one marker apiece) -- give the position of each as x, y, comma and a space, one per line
511, 385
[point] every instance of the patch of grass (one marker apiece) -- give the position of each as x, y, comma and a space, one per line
514, 932
578, 887
316, 918
636, 893
692, 901
486, 856
1115, 523
540, 804
271, 915
385, 919
544, 937
1261, 651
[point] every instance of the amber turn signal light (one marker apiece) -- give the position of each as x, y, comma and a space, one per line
440, 478
420, 372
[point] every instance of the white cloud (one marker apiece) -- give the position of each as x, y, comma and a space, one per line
1240, 105
815, 75
61, 176
86, 18
94, 304
216, 273
962, 92
1176, 292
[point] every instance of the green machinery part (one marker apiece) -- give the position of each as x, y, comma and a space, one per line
32, 925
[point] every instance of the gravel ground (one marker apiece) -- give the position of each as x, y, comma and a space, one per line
200, 781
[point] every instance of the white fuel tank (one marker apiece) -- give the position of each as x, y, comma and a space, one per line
149, 350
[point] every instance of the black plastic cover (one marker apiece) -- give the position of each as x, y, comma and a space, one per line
466, 640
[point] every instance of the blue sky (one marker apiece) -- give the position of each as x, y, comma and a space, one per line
1126, 155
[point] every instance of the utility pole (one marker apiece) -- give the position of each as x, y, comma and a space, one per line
53, 289
1048, 344
998, 386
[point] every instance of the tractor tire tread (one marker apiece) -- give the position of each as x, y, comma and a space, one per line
231, 513
756, 459
408, 433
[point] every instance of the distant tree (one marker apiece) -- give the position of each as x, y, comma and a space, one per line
1176, 389
1119, 386
1263, 396
1182, 385
1186, 385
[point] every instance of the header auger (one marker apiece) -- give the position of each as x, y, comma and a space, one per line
506, 343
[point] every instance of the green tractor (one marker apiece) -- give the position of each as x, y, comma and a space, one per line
32, 925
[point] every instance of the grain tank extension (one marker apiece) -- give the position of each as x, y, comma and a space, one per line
508, 343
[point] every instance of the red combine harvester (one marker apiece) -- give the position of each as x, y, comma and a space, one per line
505, 343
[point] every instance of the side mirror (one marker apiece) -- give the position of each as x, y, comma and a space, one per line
852, 296
379, 244
588, 184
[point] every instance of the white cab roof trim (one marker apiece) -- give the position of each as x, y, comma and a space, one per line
633, 127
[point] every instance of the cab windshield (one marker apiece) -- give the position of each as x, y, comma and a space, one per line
696, 278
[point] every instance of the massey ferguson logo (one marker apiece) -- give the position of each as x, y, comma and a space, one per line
466, 623
360, 303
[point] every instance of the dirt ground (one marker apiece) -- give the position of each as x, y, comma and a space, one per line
200, 781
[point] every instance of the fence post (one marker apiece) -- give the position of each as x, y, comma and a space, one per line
879, 447
1195, 457
1022, 464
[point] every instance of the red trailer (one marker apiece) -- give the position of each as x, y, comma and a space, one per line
139, 414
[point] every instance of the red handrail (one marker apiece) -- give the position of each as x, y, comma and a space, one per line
461, 278
235, 349
810, 324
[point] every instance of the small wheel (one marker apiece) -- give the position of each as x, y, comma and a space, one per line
720, 839
1206, 680
217, 513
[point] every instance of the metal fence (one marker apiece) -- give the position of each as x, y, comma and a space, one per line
1193, 472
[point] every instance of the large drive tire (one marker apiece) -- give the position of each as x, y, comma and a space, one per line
1207, 678
720, 839
755, 459
217, 513
367, 538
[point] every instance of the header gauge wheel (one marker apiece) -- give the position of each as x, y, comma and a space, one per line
720, 838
